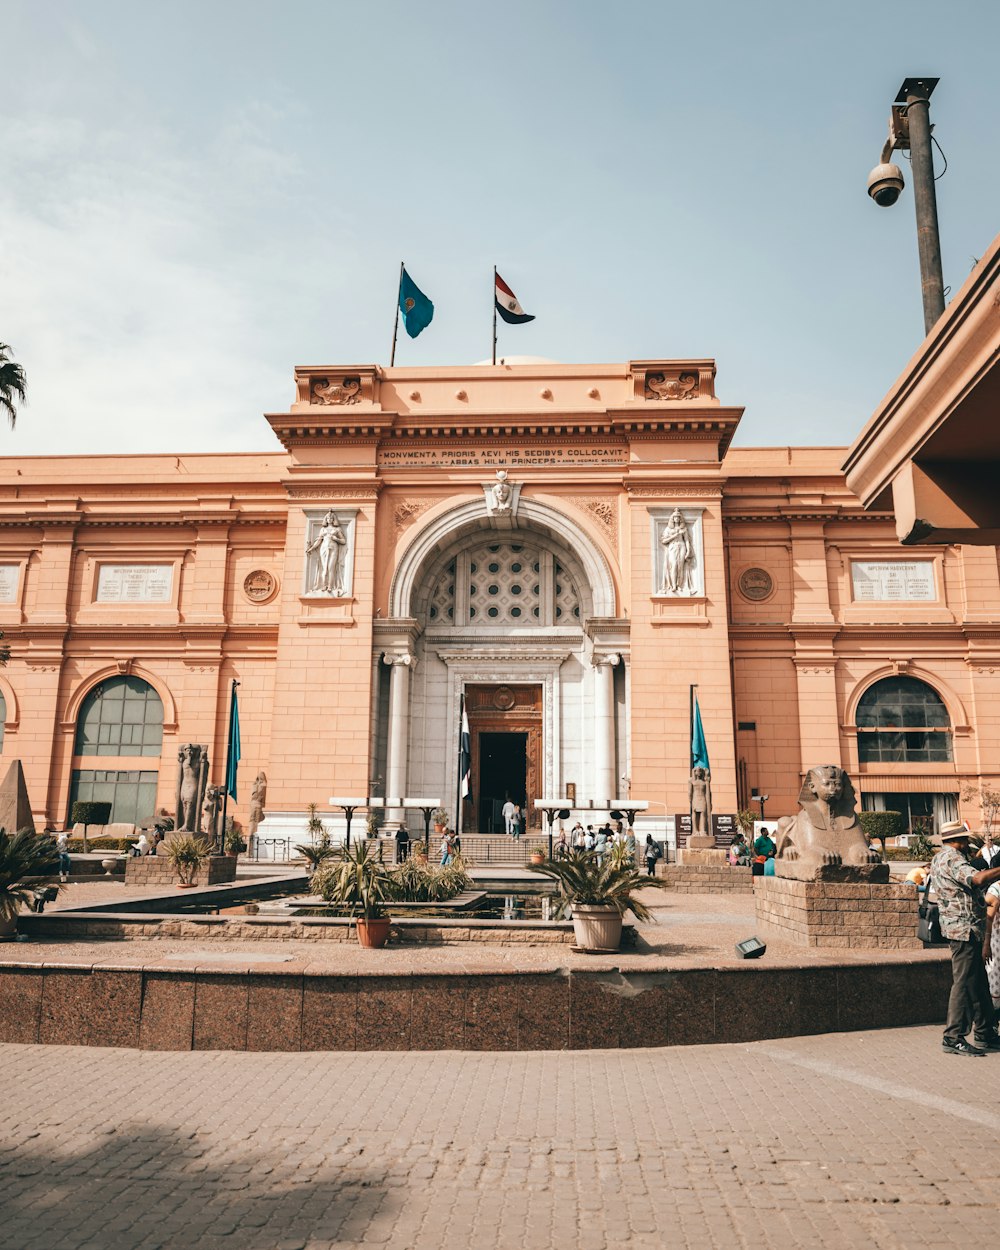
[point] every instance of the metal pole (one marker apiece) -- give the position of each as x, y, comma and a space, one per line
925, 202
691, 690
395, 328
494, 314
348, 813
225, 785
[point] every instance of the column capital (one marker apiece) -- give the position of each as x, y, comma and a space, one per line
405, 658
601, 659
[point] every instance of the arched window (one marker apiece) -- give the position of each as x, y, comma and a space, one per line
901, 719
121, 717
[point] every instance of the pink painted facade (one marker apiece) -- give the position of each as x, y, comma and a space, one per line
182, 572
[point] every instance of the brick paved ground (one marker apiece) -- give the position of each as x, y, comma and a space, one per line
799, 1143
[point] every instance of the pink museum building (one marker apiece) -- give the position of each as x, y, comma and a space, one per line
570, 547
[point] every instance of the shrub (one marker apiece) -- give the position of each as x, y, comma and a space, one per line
90, 812
882, 825
27, 860
408, 882
613, 883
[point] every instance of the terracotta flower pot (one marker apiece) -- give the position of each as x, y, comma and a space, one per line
597, 928
537, 857
374, 932
185, 885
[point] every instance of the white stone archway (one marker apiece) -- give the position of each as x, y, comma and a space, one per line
427, 656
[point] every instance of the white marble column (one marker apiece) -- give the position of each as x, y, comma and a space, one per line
399, 728
604, 786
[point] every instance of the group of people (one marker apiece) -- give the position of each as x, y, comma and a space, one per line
600, 842
760, 856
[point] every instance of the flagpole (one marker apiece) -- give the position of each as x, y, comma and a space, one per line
458, 791
229, 756
691, 689
395, 328
494, 314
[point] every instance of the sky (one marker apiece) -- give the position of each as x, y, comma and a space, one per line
197, 197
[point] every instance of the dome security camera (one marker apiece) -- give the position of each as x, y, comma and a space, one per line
885, 183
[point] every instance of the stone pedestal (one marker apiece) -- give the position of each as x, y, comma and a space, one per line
700, 842
857, 914
155, 870
709, 856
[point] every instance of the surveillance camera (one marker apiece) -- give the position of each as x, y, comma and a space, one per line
885, 182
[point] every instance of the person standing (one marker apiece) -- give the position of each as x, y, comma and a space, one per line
651, 852
579, 838
446, 848
962, 904
507, 811
561, 849
62, 849
518, 821
601, 844
991, 943
402, 844
764, 845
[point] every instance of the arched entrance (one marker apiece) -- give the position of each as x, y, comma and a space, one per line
501, 617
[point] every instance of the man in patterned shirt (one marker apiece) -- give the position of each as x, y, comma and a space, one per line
959, 888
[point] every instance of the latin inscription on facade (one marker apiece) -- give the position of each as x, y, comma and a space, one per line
895, 581
409, 456
8, 582
135, 583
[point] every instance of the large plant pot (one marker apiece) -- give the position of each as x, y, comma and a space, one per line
185, 885
374, 933
597, 928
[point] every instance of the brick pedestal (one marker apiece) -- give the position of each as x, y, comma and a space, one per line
158, 870
869, 915
706, 879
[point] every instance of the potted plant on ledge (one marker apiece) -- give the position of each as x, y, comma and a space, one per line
362, 882
187, 854
600, 894
440, 818
27, 860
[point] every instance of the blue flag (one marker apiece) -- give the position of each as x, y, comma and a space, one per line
699, 749
233, 752
416, 308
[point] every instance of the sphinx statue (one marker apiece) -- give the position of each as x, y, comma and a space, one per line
824, 840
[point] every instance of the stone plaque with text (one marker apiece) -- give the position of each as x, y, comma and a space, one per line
890, 581
135, 583
9, 576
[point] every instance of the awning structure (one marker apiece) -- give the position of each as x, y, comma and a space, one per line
874, 783
932, 448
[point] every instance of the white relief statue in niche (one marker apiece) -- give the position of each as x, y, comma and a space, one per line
501, 492
678, 556
330, 545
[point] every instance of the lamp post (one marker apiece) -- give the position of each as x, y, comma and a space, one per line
552, 808
349, 806
910, 130
762, 799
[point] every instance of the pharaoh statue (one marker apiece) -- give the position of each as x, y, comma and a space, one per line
257, 797
192, 777
210, 812
330, 545
678, 556
700, 799
824, 839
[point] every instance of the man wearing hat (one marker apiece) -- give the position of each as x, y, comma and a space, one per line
959, 887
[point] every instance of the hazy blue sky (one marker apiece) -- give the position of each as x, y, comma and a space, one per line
198, 196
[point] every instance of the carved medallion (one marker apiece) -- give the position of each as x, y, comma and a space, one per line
503, 699
260, 586
332, 391
755, 584
659, 386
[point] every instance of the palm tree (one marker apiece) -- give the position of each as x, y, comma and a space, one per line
13, 384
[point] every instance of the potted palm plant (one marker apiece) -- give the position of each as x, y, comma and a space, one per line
362, 882
187, 854
600, 894
27, 860
440, 818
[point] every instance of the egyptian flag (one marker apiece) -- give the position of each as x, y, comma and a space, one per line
465, 754
507, 305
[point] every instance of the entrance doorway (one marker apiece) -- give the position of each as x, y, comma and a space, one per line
505, 722
503, 773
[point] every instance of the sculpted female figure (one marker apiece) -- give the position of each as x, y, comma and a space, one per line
678, 551
330, 543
